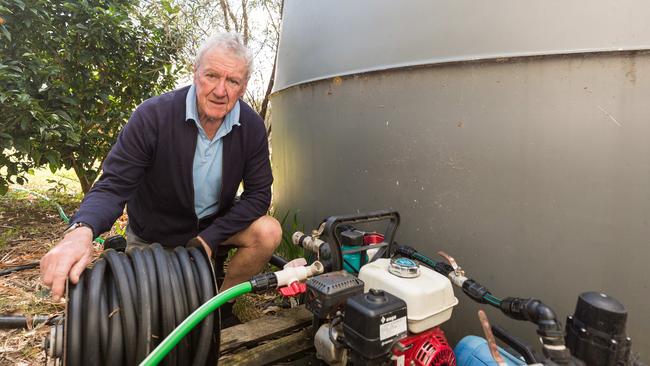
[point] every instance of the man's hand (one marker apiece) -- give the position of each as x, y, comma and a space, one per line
68, 258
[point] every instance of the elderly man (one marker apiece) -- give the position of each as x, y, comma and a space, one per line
177, 164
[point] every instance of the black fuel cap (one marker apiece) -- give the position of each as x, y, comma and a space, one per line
376, 296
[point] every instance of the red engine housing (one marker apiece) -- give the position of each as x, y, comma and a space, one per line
429, 348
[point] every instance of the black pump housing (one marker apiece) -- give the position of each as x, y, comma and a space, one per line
327, 293
596, 334
373, 322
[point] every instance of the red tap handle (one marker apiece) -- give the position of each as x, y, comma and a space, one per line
294, 288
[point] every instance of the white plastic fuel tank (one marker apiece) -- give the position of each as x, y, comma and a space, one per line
429, 296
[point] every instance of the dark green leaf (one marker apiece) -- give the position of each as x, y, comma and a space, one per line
20, 4
69, 100
52, 158
64, 115
5, 32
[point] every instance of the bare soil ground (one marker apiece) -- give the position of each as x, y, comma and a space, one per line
29, 227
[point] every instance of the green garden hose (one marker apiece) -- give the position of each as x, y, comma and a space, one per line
193, 320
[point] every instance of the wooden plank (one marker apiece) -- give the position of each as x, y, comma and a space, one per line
264, 328
272, 351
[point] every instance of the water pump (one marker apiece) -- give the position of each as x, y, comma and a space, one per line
374, 309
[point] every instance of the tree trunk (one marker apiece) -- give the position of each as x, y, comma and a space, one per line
267, 94
86, 177
245, 29
86, 184
227, 13
269, 87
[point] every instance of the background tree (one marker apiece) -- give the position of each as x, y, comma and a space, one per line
72, 72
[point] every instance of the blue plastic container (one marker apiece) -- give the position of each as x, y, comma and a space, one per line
352, 261
474, 351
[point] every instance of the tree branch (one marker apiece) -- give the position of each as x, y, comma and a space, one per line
245, 28
224, 8
229, 13
267, 94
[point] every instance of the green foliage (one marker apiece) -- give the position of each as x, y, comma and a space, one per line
119, 230
72, 71
290, 225
59, 186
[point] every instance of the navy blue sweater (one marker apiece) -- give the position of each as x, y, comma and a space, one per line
150, 169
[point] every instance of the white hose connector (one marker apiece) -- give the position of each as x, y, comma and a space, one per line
292, 274
306, 241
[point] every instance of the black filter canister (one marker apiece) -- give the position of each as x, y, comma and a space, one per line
596, 332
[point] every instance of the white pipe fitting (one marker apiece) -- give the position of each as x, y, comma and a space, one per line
292, 274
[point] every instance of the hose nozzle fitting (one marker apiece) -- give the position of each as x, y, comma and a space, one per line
308, 242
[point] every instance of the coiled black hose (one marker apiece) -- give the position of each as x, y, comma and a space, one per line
126, 303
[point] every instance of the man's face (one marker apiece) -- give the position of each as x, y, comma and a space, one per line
220, 80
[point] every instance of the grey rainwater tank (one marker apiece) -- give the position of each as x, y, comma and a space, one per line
514, 135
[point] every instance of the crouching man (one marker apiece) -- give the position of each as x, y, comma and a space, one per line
177, 165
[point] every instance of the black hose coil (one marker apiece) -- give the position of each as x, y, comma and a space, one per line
124, 305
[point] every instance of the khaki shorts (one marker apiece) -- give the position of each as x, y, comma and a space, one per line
134, 241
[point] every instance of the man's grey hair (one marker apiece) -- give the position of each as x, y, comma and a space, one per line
231, 42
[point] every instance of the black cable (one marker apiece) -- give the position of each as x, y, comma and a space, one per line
103, 320
95, 284
114, 355
10, 270
144, 304
167, 314
207, 292
21, 321
130, 276
155, 302
518, 345
185, 264
126, 304
179, 307
127, 308
74, 322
